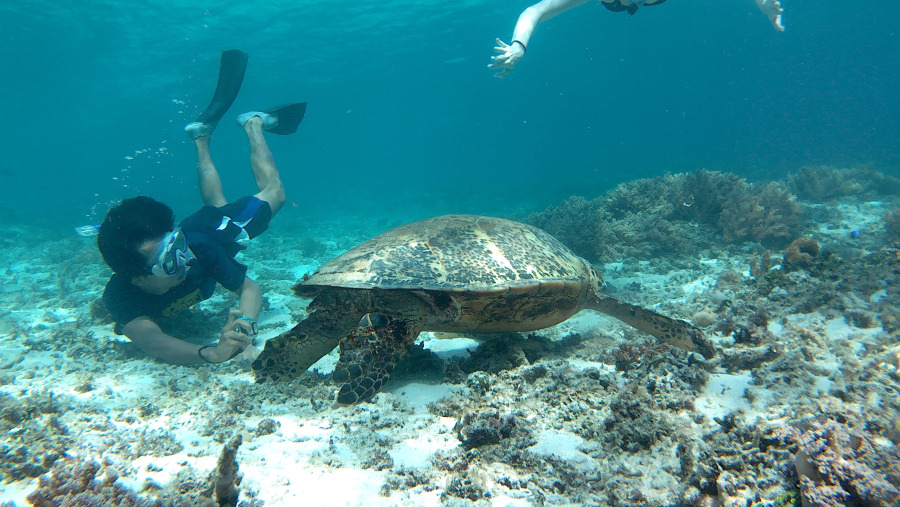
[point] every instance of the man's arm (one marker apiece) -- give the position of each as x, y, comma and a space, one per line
251, 299
148, 336
511, 53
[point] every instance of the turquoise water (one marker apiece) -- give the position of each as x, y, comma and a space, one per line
405, 122
405, 117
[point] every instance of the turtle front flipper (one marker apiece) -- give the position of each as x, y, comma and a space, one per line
332, 314
675, 332
288, 355
369, 354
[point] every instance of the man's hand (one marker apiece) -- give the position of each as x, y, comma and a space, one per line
235, 337
772, 9
509, 56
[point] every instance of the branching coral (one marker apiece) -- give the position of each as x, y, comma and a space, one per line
704, 194
657, 217
651, 196
766, 213
573, 222
821, 183
77, 482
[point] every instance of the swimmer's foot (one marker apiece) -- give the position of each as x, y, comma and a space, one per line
280, 120
772, 9
268, 121
199, 129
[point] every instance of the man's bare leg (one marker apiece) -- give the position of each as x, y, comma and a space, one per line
208, 176
263, 166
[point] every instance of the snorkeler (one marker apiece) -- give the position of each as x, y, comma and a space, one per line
160, 269
510, 54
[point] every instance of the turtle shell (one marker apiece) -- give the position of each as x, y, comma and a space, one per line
455, 253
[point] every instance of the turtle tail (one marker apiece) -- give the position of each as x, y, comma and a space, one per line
675, 332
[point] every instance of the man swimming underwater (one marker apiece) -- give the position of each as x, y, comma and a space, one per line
160, 269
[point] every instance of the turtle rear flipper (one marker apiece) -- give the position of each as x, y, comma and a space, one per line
369, 355
675, 332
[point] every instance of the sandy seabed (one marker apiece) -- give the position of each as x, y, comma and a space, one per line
803, 395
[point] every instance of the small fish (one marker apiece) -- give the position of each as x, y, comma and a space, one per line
854, 234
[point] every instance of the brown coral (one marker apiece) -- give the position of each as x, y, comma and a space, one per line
800, 254
227, 478
659, 217
764, 213
76, 482
840, 466
822, 183
891, 221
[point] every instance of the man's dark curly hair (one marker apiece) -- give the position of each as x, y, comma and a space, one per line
128, 225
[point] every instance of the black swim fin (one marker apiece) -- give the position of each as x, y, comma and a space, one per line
289, 118
231, 75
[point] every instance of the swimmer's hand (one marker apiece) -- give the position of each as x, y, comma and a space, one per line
509, 55
772, 9
235, 337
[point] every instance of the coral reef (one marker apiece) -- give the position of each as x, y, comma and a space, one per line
35, 436
822, 183
764, 213
574, 222
629, 356
510, 350
837, 465
802, 253
659, 217
486, 426
891, 221
226, 477
864, 290
635, 422
606, 417
73, 481
759, 268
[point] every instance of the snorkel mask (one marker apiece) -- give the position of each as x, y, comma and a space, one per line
175, 257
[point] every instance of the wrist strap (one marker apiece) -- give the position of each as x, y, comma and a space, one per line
517, 41
200, 353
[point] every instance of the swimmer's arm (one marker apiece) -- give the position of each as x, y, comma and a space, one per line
537, 13
148, 336
508, 55
251, 299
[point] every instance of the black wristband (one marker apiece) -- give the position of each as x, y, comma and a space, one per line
517, 41
200, 353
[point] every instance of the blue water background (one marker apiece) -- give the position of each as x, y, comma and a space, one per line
404, 117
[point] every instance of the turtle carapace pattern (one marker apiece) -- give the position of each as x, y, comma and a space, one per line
452, 273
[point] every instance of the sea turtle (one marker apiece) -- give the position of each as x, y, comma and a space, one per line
461, 273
